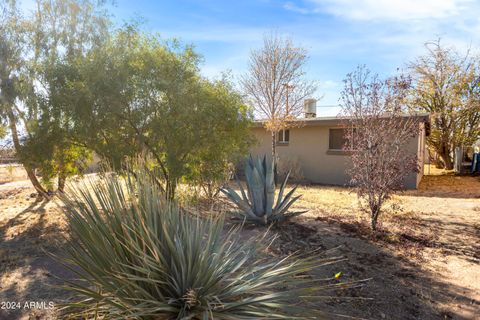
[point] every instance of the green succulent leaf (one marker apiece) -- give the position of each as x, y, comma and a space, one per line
260, 205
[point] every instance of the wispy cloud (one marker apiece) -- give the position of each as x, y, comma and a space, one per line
290, 6
393, 10
339, 34
392, 31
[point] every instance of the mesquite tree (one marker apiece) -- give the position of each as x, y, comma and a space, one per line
275, 83
150, 98
377, 130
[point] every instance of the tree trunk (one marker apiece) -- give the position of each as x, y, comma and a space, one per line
61, 183
375, 211
274, 157
16, 143
446, 159
374, 223
62, 177
171, 187
448, 163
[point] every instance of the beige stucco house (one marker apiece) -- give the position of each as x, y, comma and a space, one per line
316, 145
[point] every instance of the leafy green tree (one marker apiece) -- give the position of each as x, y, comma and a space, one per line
61, 32
37, 55
213, 163
447, 87
72, 88
150, 98
14, 81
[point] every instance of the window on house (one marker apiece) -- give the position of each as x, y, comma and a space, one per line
336, 139
283, 136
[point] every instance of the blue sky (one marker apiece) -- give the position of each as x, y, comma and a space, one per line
339, 35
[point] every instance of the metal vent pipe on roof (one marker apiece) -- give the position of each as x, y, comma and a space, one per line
310, 108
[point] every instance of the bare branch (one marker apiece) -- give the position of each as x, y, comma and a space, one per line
275, 84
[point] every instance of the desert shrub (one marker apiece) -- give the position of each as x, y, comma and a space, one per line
377, 131
142, 258
210, 176
259, 206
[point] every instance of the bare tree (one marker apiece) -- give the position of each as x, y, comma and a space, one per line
447, 86
276, 84
377, 132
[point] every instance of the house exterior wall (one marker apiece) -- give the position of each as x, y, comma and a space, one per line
421, 153
309, 144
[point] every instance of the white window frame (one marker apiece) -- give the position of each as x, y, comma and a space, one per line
281, 135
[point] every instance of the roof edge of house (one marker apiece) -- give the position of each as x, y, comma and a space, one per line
424, 117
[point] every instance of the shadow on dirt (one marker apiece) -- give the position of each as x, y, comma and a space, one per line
399, 289
28, 273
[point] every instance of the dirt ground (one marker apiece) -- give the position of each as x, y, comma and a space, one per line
423, 264
11, 172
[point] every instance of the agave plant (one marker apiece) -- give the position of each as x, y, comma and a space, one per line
138, 257
258, 204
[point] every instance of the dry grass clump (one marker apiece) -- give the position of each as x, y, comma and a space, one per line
329, 200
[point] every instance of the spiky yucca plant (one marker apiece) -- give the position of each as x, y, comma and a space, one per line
260, 206
139, 258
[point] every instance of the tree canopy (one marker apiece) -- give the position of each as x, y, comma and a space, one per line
447, 85
72, 84
151, 98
